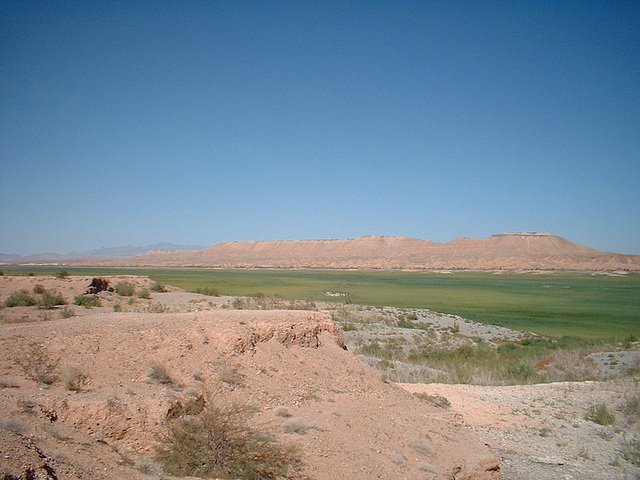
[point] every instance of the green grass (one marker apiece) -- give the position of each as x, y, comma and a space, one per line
556, 304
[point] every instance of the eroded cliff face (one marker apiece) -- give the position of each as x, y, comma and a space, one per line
510, 251
347, 420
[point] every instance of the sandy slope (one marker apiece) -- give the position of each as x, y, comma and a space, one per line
348, 421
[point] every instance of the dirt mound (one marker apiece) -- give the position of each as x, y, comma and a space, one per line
509, 251
132, 369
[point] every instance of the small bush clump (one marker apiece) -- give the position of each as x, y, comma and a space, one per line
67, 312
144, 293
631, 450
50, 300
157, 287
158, 373
38, 366
601, 415
38, 289
220, 443
125, 289
62, 274
72, 378
20, 298
87, 301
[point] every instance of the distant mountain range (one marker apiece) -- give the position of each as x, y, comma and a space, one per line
506, 251
125, 251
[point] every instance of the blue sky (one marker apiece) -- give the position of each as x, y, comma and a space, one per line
200, 122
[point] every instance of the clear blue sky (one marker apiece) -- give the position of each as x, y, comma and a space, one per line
198, 122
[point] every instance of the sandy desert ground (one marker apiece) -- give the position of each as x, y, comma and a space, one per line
293, 368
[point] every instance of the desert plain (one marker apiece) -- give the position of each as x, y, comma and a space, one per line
91, 393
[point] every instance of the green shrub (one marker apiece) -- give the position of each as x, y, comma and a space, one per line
144, 293
87, 301
157, 287
601, 415
38, 289
219, 443
20, 298
125, 289
62, 274
50, 300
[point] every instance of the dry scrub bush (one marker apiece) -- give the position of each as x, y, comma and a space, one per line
144, 293
38, 366
601, 415
219, 442
72, 378
67, 312
14, 425
87, 301
50, 300
125, 289
298, 425
158, 373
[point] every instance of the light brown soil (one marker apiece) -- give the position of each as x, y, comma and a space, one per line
540, 431
347, 420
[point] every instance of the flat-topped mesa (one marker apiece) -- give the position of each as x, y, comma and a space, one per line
523, 234
504, 251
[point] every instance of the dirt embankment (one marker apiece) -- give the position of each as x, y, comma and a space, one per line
347, 420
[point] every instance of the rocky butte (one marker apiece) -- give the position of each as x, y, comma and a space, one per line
505, 251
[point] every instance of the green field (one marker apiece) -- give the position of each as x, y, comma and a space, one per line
579, 304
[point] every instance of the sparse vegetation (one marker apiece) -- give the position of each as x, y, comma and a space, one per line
631, 450
631, 409
212, 292
601, 415
158, 373
20, 298
158, 287
14, 425
144, 293
50, 300
219, 442
437, 400
298, 425
38, 289
62, 274
87, 301
125, 289
67, 312
38, 365
72, 378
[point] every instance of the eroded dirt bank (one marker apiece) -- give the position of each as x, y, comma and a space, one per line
347, 420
